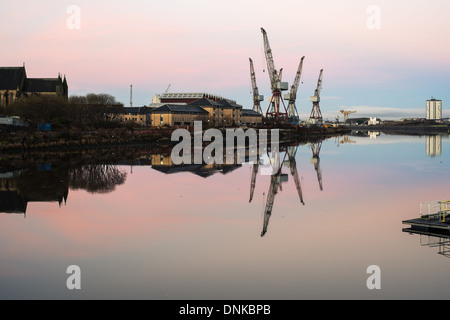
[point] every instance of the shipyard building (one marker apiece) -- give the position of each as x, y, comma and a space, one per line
183, 109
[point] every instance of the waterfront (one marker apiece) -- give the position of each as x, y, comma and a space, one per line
163, 232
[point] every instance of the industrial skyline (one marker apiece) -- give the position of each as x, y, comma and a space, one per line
379, 58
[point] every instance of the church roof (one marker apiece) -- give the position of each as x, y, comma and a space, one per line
11, 77
41, 85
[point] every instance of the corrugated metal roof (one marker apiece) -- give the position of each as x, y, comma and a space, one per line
230, 103
205, 102
193, 95
249, 112
179, 108
182, 95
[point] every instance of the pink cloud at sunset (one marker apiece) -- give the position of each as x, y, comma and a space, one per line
205, 46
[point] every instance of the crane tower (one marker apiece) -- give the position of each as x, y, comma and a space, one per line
346, 113
292, 95
277, 109
316, 114
257, 98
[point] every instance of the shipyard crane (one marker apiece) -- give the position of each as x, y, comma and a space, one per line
347, 140
257, 98
274, 109
346, 113
275, 185
292, 96
253, 181
316, 114
292, 151
275, 181
315, 148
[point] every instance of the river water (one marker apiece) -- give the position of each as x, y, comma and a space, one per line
150, 230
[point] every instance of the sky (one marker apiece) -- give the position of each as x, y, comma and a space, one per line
380, 58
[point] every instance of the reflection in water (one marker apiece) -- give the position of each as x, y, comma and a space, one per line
195, 234
277, 179
433, 142
315, 148
433, 145
431, 239
46, 183
164, 163
346, 139
32, 185
96, 178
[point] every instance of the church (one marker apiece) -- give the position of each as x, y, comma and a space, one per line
15, 84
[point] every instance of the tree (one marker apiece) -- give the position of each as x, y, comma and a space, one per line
96, 178
40, 108
93, 109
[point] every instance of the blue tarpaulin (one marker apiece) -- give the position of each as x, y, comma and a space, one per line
44, 126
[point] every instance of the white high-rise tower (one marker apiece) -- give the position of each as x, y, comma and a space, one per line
434, 109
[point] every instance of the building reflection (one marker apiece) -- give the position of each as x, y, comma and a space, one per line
433, 145
163, 163
52, 183
47, 183
39, 184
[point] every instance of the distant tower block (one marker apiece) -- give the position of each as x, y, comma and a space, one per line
434, 109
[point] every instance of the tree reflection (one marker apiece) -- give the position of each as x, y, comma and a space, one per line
96, 178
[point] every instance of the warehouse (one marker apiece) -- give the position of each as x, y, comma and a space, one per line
220, 113
250, 117
178, 115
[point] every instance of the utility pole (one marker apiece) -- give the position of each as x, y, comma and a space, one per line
131, 95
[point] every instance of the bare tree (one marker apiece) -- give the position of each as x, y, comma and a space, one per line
96, 178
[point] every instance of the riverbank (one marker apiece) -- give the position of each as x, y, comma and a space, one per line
22, 141
412, 127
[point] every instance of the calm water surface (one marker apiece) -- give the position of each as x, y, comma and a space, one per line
154, 231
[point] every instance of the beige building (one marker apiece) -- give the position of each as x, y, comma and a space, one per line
139, 115
220, 113
178, 115
250, 117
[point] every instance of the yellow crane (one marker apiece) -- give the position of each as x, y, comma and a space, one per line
346, 113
